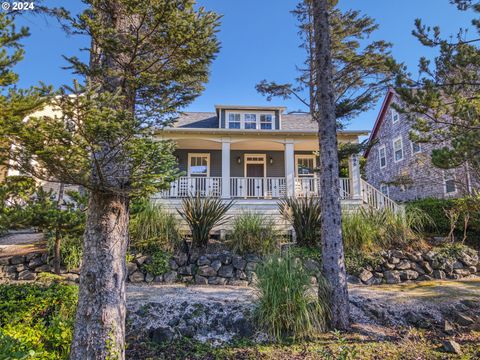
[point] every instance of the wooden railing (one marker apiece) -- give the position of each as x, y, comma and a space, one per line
310, 186
194, 186
257, 187
378, 200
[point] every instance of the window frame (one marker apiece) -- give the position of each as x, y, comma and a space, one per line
189, 164
271, 122
393, 113
383, 147
401, 148
258, 122
387, 193
305, 156
449, 177
255, 121
413, 143
239, 120
262, 161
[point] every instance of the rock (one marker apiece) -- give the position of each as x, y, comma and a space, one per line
186, 331
131, 267
462, 272
471, 303
448, 327
217, 281
141, 260
243, 328
387, 266
35, 262
4, 261
206, 271
394, 260
216, 264
374, 281
226, 271
378, 275
201, 280
17, 259
457, 265
225, 259
311, 266
194, 255
472, 269
136, 277
451, 347
173, 264
426, 266
408, 275
313, 280
403, 265
31, 256
398, 254
238, 263
170, 277
181, 259
439, 274
419, 269
158, 279
186, 270
424, 278
19, 268
463, 320
252, 258
239, 274
251, 266
429, 256
469, 261
186, 279
235, 282
203, 260
43, 268
27, 275
414, 257
161, 335
353, 279
365, 275
72, 277
392, 277
149, 278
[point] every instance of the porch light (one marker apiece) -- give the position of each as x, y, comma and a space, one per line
270, 160
239, 160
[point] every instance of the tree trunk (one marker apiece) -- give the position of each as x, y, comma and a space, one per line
58, 240
332, 246
100, 321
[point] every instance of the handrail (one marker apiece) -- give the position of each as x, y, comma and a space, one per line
378, 200
186, 186
258, 187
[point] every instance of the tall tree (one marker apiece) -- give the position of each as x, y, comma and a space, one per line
333, 261
148, 59
443, 103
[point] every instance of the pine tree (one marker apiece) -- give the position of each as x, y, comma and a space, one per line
148, 59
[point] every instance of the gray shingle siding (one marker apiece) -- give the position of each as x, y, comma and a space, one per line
423, 179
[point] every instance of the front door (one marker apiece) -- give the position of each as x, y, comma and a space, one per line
255, 175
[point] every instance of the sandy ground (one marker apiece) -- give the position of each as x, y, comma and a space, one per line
21, 243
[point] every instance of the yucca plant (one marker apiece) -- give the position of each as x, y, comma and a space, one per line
153, 229
288, 307
253, 233
303, 213
201, 215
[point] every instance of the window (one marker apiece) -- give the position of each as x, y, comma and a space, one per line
199, 165
384, 189
266, 121
250, 121
382, 155
305, 165
233, 121
395, 116
398, 149
450, 185
416, 148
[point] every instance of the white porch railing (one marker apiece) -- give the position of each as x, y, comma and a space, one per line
378, 200
310, 186
193, 186
258, 187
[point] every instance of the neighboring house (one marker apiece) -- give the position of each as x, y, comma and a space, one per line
402, 169
254, 155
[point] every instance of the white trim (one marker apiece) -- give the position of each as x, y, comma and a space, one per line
207, 155
447, 177
263, 162
393, 113
394, 151
305, 156
380, 156
257, 119
387, 193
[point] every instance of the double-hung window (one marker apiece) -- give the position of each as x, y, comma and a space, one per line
305, 165
234, 121
395, 116
266, 121
398, 149
382, 155
416, 148
450, 185
250, 121
198, 165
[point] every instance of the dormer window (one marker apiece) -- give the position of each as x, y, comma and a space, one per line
234, 121
266, 121
261, 120
250, 121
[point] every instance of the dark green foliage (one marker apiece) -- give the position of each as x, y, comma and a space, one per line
16, 196
201, 215
254, 233
303, 213
287, 305
36, 321
158, 264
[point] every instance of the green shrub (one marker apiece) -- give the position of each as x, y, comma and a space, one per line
201, 215
36, 321
287, 305
253, 233
453, 251
71, 251
303, 214
153, 229
356, 261
159, 263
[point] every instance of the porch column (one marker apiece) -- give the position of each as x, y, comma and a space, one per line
354, 171
226, 168
290, 167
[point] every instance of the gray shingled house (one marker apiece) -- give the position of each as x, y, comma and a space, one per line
402, 169
256, 155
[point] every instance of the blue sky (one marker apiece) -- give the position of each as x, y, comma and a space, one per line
259, 41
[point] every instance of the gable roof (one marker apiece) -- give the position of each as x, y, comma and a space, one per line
380, 118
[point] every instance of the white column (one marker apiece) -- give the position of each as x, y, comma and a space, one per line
354, 171
226, 168
290, 167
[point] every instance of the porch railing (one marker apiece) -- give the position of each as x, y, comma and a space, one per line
378, 200
257, 187
194, 186
310, 186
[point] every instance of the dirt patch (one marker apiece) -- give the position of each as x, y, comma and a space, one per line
21, 243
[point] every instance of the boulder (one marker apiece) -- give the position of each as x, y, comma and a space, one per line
173, 264
426, 266
27, 275
365, 275
203, 260
17, 259
35, 262
388, 266
251, 266
252, 258
72, 277
408, 275
452, 347
457, 265
429, 256
170, 277
216, 264
462, 272
217, 280
181, 258
463, 320
448, 327
472, 269
398, 254
161, 334
186, 270
468, 260
43, 268
239, 274
392, 277
419, 269
353, 279
225, 259
201, 280
149, 278
131, 267
226, 271
239, 263
394, 260
158, 279
439, 274
141, 260
403, 265
424, 278
136, 277
4, 261
206, 271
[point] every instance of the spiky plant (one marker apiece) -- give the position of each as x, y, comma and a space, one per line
201, 215
303, 213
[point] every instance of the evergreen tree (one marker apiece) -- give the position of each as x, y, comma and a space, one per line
148, 59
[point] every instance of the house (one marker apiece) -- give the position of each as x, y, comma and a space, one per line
401, 168
256, 155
